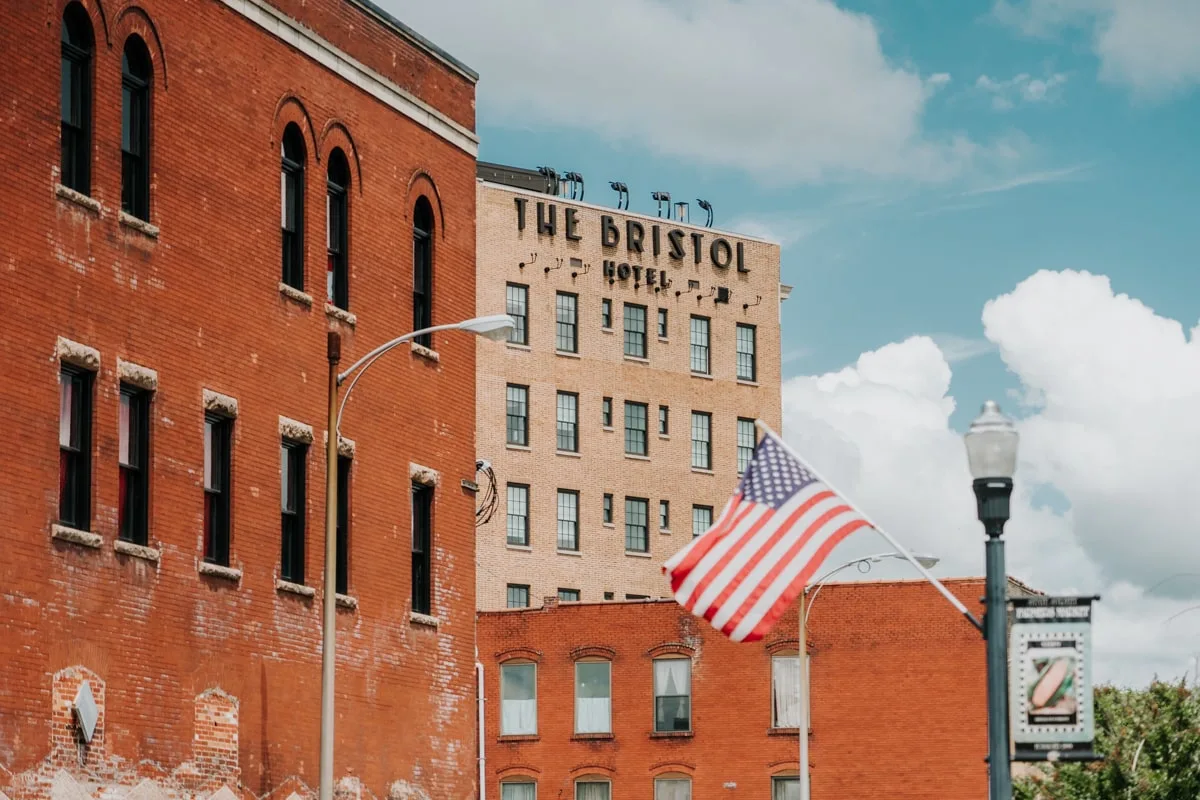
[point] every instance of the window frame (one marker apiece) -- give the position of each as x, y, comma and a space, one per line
664, 420
706, 443
633, 336
577, 595
292, 163
218, 502
523, 417
133, 508
75, 455
673, 777
78, 49
508, 594
780, 656
136, 127
573, 523
780, 779
509, 516
576, 696
662, 324
606, 314
516, 664
644, 431
421, 574
607, 510
630, 503
700, 353
606, 413
590, 780
658, 697
521, 782
294, 508
519, 334
337, 231
742, 448
573, 422
701, 508
664, 515
423, 268
345, 468
566, 332
751, 355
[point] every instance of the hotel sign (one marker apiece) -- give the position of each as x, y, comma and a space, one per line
637, 239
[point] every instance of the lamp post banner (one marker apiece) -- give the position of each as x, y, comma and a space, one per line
1050, 678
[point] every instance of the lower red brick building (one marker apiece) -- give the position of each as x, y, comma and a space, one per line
614, 700
196, 193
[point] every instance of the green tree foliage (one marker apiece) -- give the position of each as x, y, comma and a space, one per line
1158, 727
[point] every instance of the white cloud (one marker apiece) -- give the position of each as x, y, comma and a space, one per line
1028, 179
1023, 88
1147, 45
1114, 431
785, 90
783, 227
956, 349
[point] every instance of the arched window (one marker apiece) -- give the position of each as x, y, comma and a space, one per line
291, 204
593, 696
77, 48
422, 268
673, 786
136, 75
337, 209
593, 787
518, 789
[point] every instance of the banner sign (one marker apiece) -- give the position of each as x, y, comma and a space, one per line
1050, 678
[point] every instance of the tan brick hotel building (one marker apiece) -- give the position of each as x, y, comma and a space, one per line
619, 415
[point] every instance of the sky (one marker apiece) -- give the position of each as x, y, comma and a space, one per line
975, 199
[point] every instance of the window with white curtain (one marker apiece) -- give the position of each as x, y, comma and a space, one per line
518, 700
785, 789
673, 694
593, 697
518, 791
785, 691
592, 790
673, 789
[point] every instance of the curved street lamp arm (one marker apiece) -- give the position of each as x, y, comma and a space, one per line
820, 582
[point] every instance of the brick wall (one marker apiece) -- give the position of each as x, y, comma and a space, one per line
600, 369
898, 698
205, 681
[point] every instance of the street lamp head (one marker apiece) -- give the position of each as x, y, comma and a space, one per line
494, 326
992, 444
926, 561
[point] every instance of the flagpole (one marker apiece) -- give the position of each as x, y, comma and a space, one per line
901, 549
804, 721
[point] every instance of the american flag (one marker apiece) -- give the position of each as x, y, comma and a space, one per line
775, 532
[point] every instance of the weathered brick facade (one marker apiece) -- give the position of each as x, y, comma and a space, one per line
549, 264
898, 698
208, 680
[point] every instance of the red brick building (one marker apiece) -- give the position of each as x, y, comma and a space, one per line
180, 200
590, 701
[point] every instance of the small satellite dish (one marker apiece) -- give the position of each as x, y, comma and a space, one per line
86, 712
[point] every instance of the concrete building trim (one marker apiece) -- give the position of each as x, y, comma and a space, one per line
137, 375
294, 430
76, 354
355, 72
219, 403
519, 654
420, 41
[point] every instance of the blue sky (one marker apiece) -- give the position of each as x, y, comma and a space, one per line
1103, 177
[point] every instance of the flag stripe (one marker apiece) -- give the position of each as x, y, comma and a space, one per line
687, 558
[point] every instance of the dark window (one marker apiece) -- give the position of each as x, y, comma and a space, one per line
517, 413
293, 461
701, 519
337, 230
343, 524
75, 448
635, 331
76, 91
637, 596
747, 361
608, 509
746, 437
637, 522
422, 546
785, 789
518, 515
568, 520
568, 421
608, 595
568, 595
135, 128
565, 322
606, 313
133, 437
291, 205
664, 420
423, 269
699, 345
662, 323
518, 595
664, 515
606, 412
516, 305
218, 437
701, 440
673, 694
635, 428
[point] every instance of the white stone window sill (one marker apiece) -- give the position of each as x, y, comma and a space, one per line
78, 198
637, 359
607, 330
516, 346
665, 531
608, 524
346, 601
137, 550
637, 554
635, 457
607, 428
424, 352
567, 354
705, 375
523, 547
744, 382
568, 453
340, 314
295, 588
524, 447
218, 571
700, 471
139, 225
292, 293
76, 536
664, 339
426, 620
666, 437
573, 553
